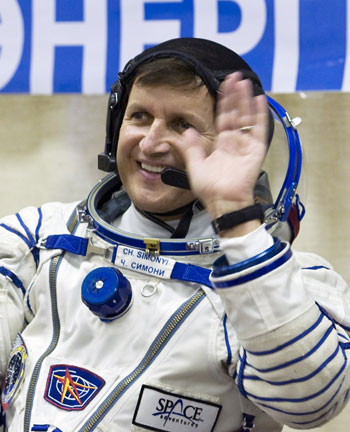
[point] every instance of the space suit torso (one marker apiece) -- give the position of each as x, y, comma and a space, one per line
197, 350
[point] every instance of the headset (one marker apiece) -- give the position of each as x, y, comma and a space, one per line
212, 62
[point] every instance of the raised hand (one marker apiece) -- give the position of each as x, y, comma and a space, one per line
224, 179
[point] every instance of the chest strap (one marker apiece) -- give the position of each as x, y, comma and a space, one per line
131, 258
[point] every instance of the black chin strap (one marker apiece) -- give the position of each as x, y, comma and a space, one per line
176, 212
184, 224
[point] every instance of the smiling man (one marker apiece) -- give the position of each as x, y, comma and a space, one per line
171, 299
155, 124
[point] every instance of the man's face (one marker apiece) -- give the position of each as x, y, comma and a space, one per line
156, 125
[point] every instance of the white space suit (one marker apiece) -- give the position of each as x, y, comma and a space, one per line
261, 341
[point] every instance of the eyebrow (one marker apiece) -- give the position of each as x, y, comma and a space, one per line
135, 106
188, 115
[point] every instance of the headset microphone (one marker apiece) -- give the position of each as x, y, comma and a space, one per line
175, 177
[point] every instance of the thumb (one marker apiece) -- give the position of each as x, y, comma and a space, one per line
193, 150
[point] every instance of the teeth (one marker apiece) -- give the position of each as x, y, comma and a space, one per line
156, 169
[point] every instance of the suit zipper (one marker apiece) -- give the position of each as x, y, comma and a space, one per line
56, 332
159, 343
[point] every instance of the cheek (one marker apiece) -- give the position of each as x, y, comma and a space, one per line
125, 145
122, 158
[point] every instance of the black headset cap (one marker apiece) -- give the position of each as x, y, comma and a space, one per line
209, 60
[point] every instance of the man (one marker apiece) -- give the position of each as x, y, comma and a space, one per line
121, 323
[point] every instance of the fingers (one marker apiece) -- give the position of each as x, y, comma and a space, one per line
239, 110
192, 148
261, 118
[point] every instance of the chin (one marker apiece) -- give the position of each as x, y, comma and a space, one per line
153, 207
156, 206
156, 202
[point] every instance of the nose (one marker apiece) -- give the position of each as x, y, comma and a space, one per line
156, 140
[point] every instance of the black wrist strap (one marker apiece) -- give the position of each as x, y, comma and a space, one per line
230, 220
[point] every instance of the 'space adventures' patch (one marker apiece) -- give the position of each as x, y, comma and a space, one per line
160, 410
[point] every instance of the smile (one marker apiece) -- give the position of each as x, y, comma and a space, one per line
152, 168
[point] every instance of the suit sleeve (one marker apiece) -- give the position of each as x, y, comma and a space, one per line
294, 349
19, 259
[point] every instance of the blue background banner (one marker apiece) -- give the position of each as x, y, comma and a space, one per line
60, 46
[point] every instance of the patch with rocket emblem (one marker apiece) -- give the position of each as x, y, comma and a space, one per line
71, 387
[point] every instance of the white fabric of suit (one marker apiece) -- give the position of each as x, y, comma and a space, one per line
275, 347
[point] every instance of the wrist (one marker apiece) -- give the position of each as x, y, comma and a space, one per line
239, 222
241, 229
217, 209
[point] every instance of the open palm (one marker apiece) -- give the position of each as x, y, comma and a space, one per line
224, 179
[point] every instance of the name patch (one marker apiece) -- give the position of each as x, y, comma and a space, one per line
71, 387
160, 410
137, 260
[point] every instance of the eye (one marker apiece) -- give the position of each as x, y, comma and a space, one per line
138, 115
181, 124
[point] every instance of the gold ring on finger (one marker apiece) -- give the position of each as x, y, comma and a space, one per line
245, 128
